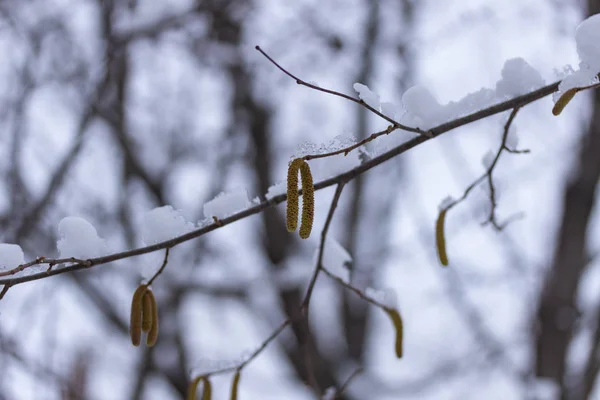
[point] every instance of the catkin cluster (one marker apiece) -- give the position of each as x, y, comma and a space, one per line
308, 198
206, 391
144, 316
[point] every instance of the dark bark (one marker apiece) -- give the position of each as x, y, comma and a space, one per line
557, 314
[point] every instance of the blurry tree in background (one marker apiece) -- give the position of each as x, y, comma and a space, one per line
110, 108
560, 319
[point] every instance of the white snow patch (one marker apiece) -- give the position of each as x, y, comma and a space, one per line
470, 103
323, 168
389, 109
423, 107
518, 78
11, 256
366, 95
164, 223
276, 190
424, 111
587, 38
227, 203
79, 239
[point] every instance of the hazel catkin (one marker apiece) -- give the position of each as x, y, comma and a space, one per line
193, 387
234, 386
440, 238
135, 323
308, 201
397, 321
153, 331
147, 311
292, 194
563, 100
207, 391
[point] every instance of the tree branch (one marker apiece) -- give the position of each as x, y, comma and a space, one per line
346, 176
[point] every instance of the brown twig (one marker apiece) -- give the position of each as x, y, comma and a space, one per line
348, 149
162, 267
488, 176
271, 337
344, 96
51, 262
356, 290
4, 291
319, 266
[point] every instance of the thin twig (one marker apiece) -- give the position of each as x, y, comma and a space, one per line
4, 290
348, 149
492, 216
488, 176
264, 344
356, 290
162, 267
271, 337
319, 266
43, 260
344, 96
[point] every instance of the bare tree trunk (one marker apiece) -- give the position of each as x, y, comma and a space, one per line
557, 312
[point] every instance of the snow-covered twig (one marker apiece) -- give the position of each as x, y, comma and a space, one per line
348, 149
51, 262
516, 102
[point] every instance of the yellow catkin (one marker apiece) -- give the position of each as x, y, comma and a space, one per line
147, 311
153, 332
207, 391
234, 386
564, 99
193, 387
440, 238
135, 323
292, 194
308, 201
397, 321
